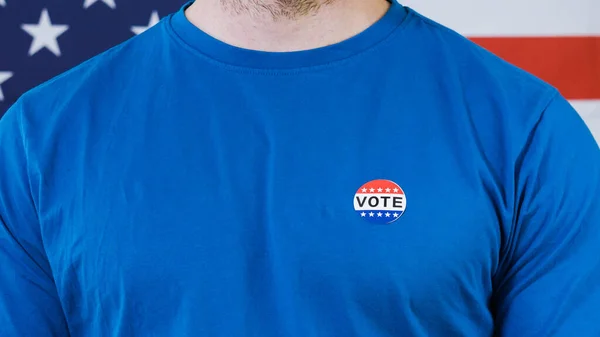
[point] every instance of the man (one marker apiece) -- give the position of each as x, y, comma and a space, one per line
298, 168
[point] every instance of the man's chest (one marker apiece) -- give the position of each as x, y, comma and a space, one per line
248, 216
262, 222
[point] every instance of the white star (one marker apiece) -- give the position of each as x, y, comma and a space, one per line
44, 34
371, 214
395, 215
372, 190
380, 189
364, 189
388, 190
2, 3
395, 190
154, 19
379, 214
109, 3
363, 214
4, 76
387, 215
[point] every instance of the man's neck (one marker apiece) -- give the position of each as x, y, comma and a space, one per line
261, 28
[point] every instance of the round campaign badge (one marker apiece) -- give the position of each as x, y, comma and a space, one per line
380, 201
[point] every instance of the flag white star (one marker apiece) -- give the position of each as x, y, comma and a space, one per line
109, 3
372, 190
4, 76
371, 214
363, 214
154, 19
388, 190
395, 190
387, 215
380, 189
364, 189
379, 214
3, 3
395, 215
44, 34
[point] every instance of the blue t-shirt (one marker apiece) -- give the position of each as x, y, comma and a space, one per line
404, 182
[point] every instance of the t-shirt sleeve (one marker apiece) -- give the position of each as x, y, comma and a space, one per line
29, 303
548, 283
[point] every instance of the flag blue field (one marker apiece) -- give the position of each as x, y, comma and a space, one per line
40, 39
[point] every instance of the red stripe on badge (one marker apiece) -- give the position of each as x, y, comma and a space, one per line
572, 64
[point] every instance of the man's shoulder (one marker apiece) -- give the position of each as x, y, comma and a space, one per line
492, 88
85, 99
471, 60
97, 76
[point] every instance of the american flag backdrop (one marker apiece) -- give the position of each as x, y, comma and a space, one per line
557, 41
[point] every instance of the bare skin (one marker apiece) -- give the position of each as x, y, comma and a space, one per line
284, 25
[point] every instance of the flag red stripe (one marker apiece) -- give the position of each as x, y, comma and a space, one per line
572, 64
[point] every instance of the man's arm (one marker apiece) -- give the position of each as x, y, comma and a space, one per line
29, 304
548, 283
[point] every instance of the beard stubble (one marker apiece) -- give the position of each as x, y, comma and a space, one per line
277, 9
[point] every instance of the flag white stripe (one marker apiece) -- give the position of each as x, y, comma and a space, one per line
590, 112
508, 18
